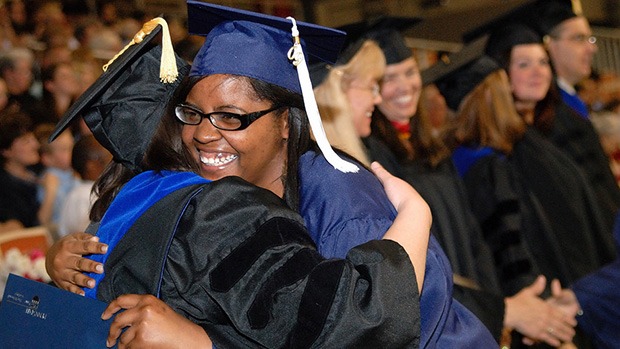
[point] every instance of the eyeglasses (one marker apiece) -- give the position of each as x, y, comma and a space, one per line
222, 120
375, 89
579, 39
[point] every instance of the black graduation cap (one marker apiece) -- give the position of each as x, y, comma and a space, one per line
267, 48
509, 11
451, 28
125, 104
459, 73
504, 38
548, 14
384, 30
541, 15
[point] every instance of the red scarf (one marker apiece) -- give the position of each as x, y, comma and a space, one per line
402, 128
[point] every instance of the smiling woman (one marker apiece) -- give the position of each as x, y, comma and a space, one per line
201, 222
256, 154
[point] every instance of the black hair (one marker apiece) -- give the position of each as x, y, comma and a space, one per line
167, 151
13, 124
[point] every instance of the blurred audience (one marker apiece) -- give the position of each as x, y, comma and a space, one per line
19, 149
57, 178
60, 89
16, 68
88, 159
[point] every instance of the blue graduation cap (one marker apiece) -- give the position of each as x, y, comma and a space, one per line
256, 45
266, 48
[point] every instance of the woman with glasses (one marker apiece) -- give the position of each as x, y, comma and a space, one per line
568, 39
347, 94
567, 199
232, 256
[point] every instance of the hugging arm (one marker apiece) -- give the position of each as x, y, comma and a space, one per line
411, 207
259, 282
66, 265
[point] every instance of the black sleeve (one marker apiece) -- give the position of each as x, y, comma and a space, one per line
496, 201
243, 266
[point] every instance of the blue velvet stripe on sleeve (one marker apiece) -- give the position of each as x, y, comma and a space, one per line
465, 157
140, 193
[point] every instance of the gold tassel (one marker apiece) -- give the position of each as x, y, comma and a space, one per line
168, 67
577, 9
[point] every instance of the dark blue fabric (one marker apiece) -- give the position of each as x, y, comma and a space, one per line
230, 32
355, 211
465, 157
598, 297
141, 192
575, 103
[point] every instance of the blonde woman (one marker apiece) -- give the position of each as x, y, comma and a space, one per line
348, 96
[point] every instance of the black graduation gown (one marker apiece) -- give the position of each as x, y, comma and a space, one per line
234, 259
580, 233
457, 232
577, 138
379, 151
461, 238
506, 212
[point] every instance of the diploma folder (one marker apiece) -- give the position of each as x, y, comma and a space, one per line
37, 315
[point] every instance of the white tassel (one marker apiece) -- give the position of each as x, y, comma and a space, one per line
296, 54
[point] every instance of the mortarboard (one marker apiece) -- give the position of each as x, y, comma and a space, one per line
125, 104
384, 30
548, 14
461, 72
266, 48
504, 38
252, 44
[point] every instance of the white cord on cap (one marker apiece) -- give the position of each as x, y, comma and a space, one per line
296, 54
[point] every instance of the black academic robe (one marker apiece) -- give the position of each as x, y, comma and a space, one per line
234, 259
539, 190
459, 234
457, 231
577, 138
505, 210
580, 234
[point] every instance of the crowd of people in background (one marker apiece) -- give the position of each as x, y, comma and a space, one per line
515, 148
50, 53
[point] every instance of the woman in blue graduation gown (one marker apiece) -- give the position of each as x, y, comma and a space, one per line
231, 257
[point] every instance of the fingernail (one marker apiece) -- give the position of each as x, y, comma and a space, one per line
99, 268
104, 248
91, 283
